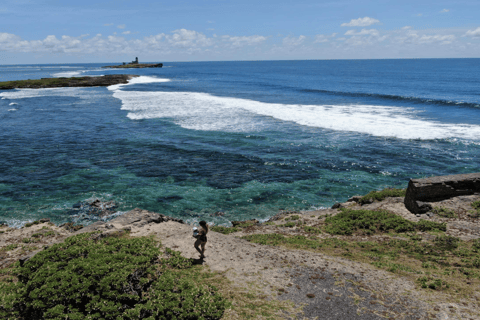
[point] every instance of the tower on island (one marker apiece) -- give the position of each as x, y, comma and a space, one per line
135, 62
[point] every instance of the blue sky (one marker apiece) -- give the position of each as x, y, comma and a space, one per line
59, 31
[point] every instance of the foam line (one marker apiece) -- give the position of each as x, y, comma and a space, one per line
137, 80
202, 111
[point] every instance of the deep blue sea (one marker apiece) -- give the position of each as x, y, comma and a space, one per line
244, 138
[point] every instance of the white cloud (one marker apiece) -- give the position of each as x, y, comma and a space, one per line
445, 11
321, 38
121, 26
127, 32
412, 36
292, 41
360, 22
210, 21
419, 14
245, 40
210, 29
108, 24
363, 32
473, 33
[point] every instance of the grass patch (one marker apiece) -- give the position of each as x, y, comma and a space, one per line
293, 218
381, 195
447, 263
309, 229
290, 224
10, 247
367, 222
224, 230
444, 212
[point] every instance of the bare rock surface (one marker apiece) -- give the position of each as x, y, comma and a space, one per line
422, 191
100, 81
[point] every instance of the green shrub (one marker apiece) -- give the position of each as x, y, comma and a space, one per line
312, 229
10, 247
381, 195
435, 284
445, 242
349, 221
294, 217
288, 224
88, 277
426, 225
444, 212
476, 205
224, 230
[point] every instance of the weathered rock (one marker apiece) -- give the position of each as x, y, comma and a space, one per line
249, 222
439, 188
100, 81
137, 65
355, 199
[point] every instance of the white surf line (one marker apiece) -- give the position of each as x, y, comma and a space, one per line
203, 111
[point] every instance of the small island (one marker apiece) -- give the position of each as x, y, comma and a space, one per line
135, 64
100, 81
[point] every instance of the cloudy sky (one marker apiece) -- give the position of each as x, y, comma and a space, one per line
54, 31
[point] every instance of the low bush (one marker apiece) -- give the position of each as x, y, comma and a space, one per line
444, 212
381, 195
294, 217
435, 284
312, 229
224, 230
368, 222
106, 278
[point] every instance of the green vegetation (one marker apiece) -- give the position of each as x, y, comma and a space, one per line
348, 222
309, 229
444, 212
10, 247
381, 195
290, 224
443, 262
89, 277
224, 230
294, 217
476, 211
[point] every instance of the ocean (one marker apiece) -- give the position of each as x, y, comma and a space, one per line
224, 141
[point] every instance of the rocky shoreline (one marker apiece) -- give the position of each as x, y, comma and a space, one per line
330, 277
136, 65
100, 81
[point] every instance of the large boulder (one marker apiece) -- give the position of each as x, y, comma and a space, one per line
433, 189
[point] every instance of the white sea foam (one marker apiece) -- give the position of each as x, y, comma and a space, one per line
137, 80
202, 111
12, 109
67, 74
82, 93
12, 103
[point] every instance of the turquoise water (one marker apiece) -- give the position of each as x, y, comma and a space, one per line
244, 138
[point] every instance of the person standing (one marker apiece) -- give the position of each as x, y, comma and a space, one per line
201, 238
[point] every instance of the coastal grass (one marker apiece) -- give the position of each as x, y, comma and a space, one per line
381, 195
392, 243
444, 212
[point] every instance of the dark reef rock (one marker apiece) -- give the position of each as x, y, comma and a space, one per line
136, 65
133, 218
439, 188
100, 81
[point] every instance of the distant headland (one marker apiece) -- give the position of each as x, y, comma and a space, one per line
135, 64
100, 81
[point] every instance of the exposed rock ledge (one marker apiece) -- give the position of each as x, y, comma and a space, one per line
136, 65
100, 81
